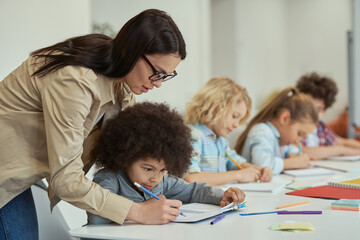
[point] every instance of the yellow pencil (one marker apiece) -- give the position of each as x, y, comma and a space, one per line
235, 162
292, 204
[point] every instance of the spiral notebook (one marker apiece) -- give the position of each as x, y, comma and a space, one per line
345, 182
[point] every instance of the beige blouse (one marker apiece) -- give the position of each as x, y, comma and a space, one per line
46, 131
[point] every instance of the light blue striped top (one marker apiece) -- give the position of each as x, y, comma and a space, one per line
262, 147
209, 151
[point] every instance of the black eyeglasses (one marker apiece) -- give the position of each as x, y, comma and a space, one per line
156, 76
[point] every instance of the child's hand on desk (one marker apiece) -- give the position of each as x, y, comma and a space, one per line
248, 174
266, 174
297, 161
232, 195
155, 211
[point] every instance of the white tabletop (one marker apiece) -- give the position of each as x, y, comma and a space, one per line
330, 225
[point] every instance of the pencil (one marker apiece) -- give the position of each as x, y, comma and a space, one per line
235, 162
152, 194
292, 204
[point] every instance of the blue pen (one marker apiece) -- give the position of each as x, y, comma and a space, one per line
219, 218
145, 190
258, 213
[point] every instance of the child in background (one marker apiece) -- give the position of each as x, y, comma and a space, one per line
149, 144
323, 142
215, 110
268, 138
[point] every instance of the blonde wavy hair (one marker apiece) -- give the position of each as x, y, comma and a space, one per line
214, 100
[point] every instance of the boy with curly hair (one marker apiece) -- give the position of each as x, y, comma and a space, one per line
323, 142
149, 143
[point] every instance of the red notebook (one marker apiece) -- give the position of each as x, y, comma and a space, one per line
328, 192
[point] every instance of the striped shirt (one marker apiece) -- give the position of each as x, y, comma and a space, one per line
209, 151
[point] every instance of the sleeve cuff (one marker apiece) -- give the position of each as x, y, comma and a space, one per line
116, 208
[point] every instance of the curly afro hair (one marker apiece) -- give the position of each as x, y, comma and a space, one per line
319, 87
145, 130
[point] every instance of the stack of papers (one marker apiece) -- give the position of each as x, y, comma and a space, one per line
346, 204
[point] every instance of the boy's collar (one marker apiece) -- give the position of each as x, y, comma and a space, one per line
206, 130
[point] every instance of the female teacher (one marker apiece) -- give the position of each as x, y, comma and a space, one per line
51, 110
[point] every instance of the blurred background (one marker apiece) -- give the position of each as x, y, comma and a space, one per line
264, 45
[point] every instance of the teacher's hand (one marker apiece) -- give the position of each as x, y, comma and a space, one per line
155, 211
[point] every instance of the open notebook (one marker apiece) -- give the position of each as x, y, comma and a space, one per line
199, 211
345, 166
344, 158
276, 185
309, 172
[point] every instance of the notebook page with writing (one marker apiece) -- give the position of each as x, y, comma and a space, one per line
199, 211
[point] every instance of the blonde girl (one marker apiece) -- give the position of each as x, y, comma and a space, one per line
272, 136
217, 109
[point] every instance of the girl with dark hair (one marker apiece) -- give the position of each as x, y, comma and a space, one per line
51, 111
272, 136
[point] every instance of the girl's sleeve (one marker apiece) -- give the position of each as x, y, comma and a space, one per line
177, 188
291, 149
68, 98
263, 154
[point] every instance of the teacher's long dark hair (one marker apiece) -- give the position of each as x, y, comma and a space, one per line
151, 31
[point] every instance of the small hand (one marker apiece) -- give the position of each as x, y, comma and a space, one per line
266, 174
155, 211
232, 195
248, 174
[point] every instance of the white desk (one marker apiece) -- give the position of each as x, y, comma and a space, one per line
331, 225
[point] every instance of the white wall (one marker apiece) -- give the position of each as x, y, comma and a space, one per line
276, 41
317, 42
261, 47
192, 18
29, 25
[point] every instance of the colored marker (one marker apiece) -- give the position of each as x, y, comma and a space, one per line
219, 218
299, 212
153, 195
235, 162
236, 207
300, 148
259, 213
292, 204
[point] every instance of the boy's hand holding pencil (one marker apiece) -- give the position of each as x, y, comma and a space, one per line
232, 195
